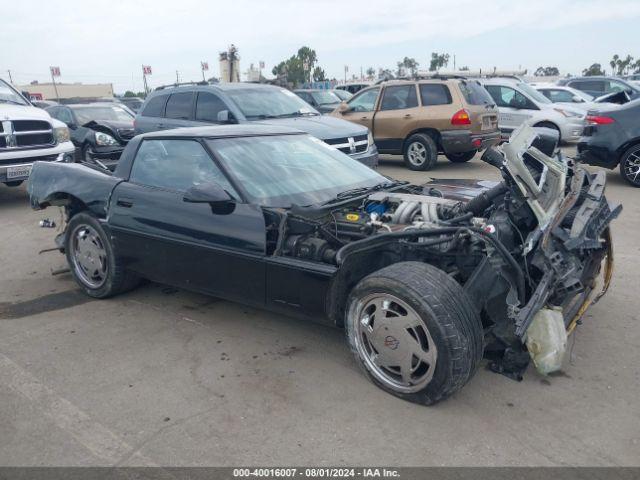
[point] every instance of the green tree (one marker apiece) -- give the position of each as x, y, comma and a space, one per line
438, 60
319, 75
370, 72
464, 68
546, 72
299, 67
407, 64
614, 63
593, 70
636, 66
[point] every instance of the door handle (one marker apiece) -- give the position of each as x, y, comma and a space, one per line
364, 118
407, 115
124, 202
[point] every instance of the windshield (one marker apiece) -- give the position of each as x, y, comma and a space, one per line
260, 103
533, 93
342, 94
325, 98
9, 95
86, 114
285, 170
475, 94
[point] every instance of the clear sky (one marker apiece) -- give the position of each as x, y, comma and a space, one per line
108, 41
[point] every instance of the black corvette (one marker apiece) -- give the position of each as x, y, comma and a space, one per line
425, 280
99, 131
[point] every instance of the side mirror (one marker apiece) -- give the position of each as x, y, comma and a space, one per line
344, 107
207, 193
225, 116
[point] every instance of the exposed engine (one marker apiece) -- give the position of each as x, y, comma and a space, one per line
527, 250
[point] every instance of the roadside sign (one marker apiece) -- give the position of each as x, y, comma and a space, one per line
146, 70
55, 71
204, 65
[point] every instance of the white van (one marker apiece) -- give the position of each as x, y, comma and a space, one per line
28, 134
520, 103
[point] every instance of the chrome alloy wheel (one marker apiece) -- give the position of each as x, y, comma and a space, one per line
632, 167
394, 342
417, 154
89, 256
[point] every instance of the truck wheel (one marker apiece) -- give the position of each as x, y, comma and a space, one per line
414, 331
15, 183
461, 157
630, 165
92, 260
420, 152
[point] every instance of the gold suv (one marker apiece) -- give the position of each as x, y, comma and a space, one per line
422, 118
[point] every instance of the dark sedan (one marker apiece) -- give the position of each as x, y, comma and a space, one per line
99, 131
612, 138
425, 280
325, 101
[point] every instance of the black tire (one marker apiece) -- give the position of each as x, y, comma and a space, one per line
423, 143
445, 311
15, 183
87, 156
552, 126
630, 165
461, 157
116, 278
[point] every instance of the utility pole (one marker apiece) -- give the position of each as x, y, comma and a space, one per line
454, 62
177, 76
56, 71
10, 79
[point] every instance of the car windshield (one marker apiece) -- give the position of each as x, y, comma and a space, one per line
286, 170
342, 94
87, 114
325, 98
9, 95
533, 93
261, 103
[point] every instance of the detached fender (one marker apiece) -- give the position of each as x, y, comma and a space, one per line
52, 184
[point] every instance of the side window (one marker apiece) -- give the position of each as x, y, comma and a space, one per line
64, 115
155, 107
501, 95
208, 106
399, 97
365, 102
558, 95
612, 86
434, 94
179, 106
176, 165
589, 86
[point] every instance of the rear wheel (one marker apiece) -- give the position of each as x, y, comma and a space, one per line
420, 152
630, 165
461, 157
92, 260
414, 331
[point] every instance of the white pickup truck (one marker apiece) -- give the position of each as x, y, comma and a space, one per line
28, 134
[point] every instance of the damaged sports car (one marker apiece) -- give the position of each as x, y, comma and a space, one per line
425, 280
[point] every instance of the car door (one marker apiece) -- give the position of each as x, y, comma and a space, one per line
398, 114
179, 110
208, 106
189, 245
151, 118
513, 107
362, 108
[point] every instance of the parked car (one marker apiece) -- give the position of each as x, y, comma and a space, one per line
133, 103
566, 96
419, 119
99, 131
353, 87
44, 104
424, 279
520, 103
324, 101
612, 138
600, 86
27, 134
228, 103
343, 95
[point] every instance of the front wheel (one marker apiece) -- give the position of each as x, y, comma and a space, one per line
461, 157
414, 331
92, 260
630, 165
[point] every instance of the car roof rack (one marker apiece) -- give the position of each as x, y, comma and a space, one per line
181, 84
